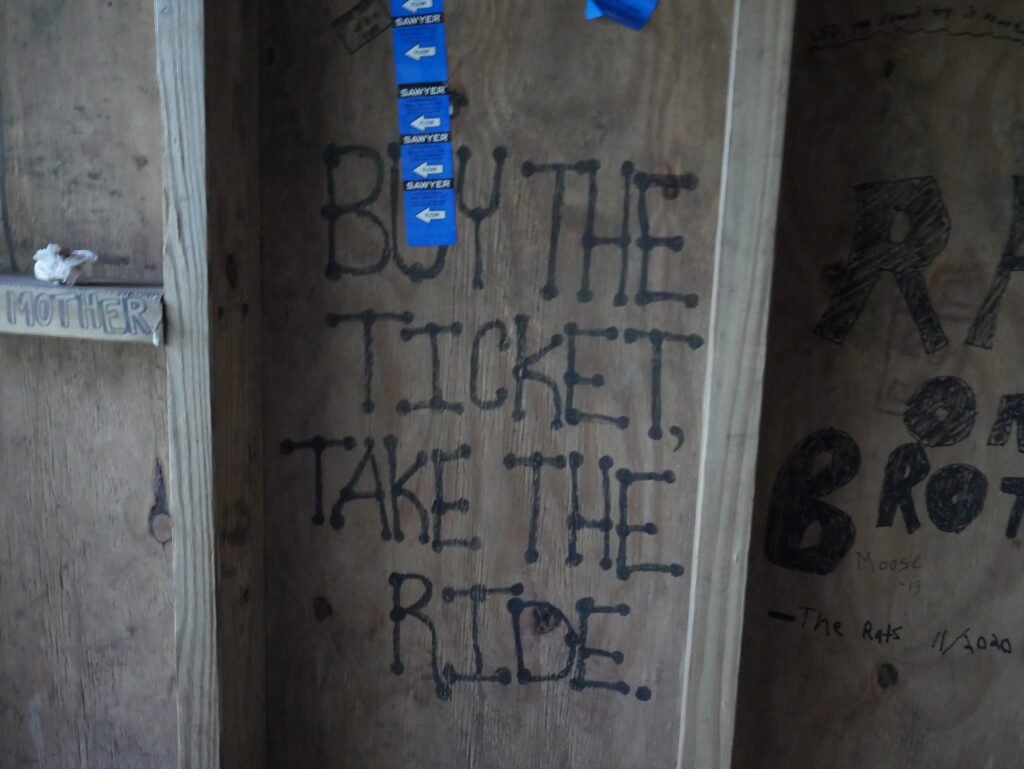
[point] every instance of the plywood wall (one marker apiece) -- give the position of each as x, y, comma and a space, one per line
883, 624
421, 439
86, 617
81, 129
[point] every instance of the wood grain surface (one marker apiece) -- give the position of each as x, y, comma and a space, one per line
180, 56
236, 386
80, 135
87, 674
208, 72
544, 102
899, 226
743, 267
87, 645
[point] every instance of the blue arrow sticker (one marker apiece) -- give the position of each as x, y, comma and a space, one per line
416, 7
633, 13
421, 115
421, 52
427, 161
430, 217
424, 122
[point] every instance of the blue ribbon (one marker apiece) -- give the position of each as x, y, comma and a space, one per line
632, 13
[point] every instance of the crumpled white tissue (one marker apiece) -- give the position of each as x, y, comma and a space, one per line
57, 265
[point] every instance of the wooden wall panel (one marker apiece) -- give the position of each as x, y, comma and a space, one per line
87, 642
87, 674
889, 447
534, 85
80, 134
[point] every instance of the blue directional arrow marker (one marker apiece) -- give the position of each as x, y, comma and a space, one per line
427, 161
421, 53
419, 115
430, 217
424, 122
415, 7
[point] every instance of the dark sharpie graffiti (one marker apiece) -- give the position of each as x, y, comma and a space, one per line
879, 204
881, 635
431, 524
496, 335
384, 493
543, 618
436, 401
623, 529
478, 595
942, 412
957, 20
824, 625
355, 158
901, 228
413, 490
970, 642
796, 504
479, 214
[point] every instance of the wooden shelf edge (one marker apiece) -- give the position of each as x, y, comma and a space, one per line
107, 312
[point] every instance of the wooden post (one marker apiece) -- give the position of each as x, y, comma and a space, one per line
762, 43
207, 70
181, 73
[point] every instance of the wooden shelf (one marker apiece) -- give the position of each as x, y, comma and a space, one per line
109, 312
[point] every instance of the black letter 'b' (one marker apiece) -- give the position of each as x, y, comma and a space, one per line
796, 504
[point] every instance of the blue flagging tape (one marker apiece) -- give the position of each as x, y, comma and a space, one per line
424, 122
633, 13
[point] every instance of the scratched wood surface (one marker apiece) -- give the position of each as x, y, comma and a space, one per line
534, 85
112, 312
87, 674
904, 142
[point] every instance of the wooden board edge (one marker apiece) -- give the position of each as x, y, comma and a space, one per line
236, 343
211, 269
181, 76
759, 80
105, 313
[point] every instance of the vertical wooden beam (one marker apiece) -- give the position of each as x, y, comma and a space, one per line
180, 71
232, 135
762, 46
206, 55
